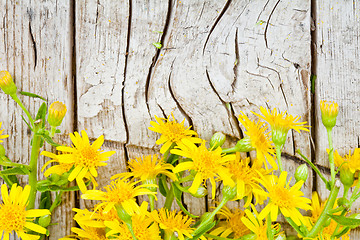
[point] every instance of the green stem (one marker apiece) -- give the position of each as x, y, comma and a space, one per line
278, 157
331, 157
338, 225
52, 132
313, 167
152, 202
35, 149
269, 233
186, 179
56, 201
229, 150
123, 215
210, 218
323, 216
169, 198
294, 226
17, 100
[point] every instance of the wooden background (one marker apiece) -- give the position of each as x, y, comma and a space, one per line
218, 58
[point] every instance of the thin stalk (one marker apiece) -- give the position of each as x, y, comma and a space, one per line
313, 167
338, 225
52, 132
152, 202
56, 201
229, 150
278, 157
269, 232
331, 157
17, 100
323, 216
169, 198
35, 149
294, 226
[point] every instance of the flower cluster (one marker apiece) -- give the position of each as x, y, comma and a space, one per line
188, 166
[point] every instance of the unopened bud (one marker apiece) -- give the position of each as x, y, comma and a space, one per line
278, 136
45, 221
244, 145
329, 112
57, 111
301, 173
346, 177
200, 193
217, 140
6, 83
229, 192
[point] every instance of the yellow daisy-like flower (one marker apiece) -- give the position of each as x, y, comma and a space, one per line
172, 132
207, 164
288, 200
246, 178
317, 207
84, 157
59, 169
2, 136
87, 233
120, 192
147, 168
256, 225
349, 161
143, 226
281, 123
15, 217
232, 225
172, 221
259, 140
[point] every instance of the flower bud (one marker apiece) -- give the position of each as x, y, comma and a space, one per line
57, 111
217, 140
278, 136
346, 177
2, 151
329, 112
6, 83
229, 192
200, 193
244, 145
45, 220
301, 173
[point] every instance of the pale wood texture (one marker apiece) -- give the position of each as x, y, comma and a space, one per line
218, 59
337, 61
36, 48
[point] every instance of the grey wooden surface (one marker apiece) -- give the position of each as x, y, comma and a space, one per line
218, 58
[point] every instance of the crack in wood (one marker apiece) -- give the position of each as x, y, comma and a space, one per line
237, 61
32, 39
267, 23
225, 8
156, 57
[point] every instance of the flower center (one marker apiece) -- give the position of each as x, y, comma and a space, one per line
12, 217
281, 197
174, 131
206, 162
87, 157
237, 226
119, 192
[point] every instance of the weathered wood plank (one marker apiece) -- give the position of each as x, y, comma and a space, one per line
36, 48
337, 61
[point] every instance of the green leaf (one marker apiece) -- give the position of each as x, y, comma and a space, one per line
32, 95
162, 188
48, 139
45, 200
12, 178
312, 80
15, 171
345, 221
157, 45
204, 230
27, 123
177, 194
342, 232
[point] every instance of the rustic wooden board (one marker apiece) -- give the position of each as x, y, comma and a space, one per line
36, 48
337, 61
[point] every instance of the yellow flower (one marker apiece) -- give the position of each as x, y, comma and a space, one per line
172, 221
87, 233
281, 123
2, 136
329, 112
246, 178
172, 132
256, 225
57, 111
85, 158
6, 83
120, 192
15, 217
57, 169
207, 164
349, 161
143, 226
147, 168
317, 208
282, 197
259, 140
232, 225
